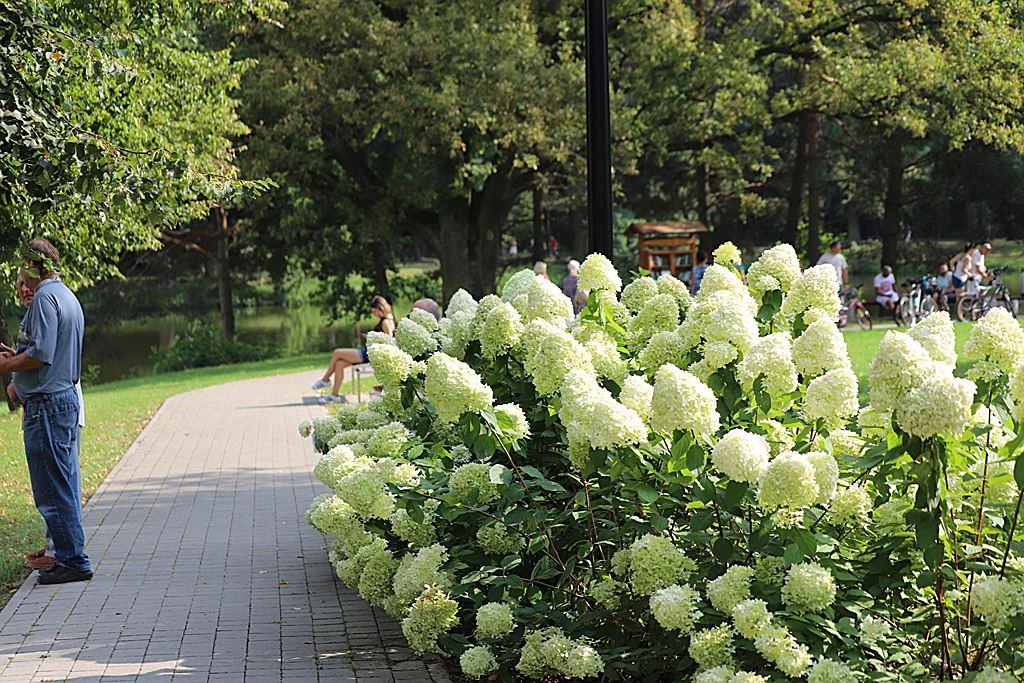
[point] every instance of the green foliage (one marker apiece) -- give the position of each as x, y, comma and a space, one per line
201, 345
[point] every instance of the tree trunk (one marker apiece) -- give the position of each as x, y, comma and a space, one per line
488, 211
702, 194
813, 189
223, 268
791, 232
453, 228
539, 229
893, 198
580, 238
380, 270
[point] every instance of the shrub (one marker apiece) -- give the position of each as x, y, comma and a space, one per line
202, 345
705, 523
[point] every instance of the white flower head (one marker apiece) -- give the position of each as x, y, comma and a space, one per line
597, 272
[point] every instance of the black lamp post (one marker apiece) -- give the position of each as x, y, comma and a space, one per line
599, 133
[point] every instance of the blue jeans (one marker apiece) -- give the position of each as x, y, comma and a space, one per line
51, 431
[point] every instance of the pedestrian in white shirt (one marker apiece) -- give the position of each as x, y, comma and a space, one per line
835, 258
885, 289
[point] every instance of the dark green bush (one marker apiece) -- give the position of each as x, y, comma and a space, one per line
202, 345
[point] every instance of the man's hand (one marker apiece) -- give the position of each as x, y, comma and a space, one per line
13, 395
6, 350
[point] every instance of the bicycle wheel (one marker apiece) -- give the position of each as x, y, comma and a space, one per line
965, 308
863, 318
1006, 301
927, 307
903, 314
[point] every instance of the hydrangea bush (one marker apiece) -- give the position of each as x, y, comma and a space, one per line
663, 488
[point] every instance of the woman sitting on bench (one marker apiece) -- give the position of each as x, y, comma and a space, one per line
345, 358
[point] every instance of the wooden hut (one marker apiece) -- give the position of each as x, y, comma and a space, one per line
667, 247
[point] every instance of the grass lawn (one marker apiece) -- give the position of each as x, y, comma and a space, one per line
115, 414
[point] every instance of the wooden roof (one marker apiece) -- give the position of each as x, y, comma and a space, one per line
666, 228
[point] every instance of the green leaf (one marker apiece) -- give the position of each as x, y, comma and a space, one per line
793, 554
1018, 471
659, 523
647, 494
761, 395
695, 457
925, 578
722, 549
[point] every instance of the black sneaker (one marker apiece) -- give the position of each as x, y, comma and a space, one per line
58, 573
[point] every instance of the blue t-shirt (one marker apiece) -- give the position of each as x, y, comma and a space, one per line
52, 333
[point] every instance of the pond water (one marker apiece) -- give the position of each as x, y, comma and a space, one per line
124, 349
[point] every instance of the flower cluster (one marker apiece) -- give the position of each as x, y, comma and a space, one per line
454, 388
591, 414
713, 647
832, 397
819, 349
549, 652
432, 615
789, 482
414, 339
996, 344
741, 456
501, 331
776, 269
495, 538
809, 588
493, 620
675, 608
814, 293
770, 358
473, 477
681, 401
998, 600
654, 563
727, 254
639, 292
597, 272
477, 662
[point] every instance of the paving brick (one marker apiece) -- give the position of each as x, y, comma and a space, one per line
191, 536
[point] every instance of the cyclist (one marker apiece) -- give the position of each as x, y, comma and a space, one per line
962, 264
944, 283
979, 270
885, 289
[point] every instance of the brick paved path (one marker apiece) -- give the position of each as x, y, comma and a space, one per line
205, 567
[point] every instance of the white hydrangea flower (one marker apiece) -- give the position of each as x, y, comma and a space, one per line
850, 506
639, 292
751, 617
809, 587
545, 300
731, 588
940, 405
421, 569
747, 677
663, 347
583, 662
991, 675
771, 357
605, 356
816, 291
417, 534
713, 647
681, 401
777, 268
718, 278
741, 456
424, 319
477, 662
819, 349
455, 333
826, 475
677, 289
432, 615
873, 630
692, 329
551, 354
454, 388
374, 337
716, 356
832, 397
473, 476
997, 600
607, 593
591, 414
778, 436
414, 339
496, 538
655, 563
716, 674
900, 364
777, 645
675, 608
493, 620
732, 324
727, 254
996, 343
378, 566
461, 301
597, 272
391, 365
660, 314
638, 396
500, 331
830, 671
518, 284
788, 482
520, 426
935, 334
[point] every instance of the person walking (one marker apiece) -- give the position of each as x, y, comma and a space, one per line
46, 365
835, 258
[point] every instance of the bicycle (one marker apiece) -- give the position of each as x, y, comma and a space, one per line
973, 306
913, 305
852, 306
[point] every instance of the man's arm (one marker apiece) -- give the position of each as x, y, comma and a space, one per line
21, 362
846, 277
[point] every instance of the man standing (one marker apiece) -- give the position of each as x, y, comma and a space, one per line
46, 367
835, 258
980, 272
